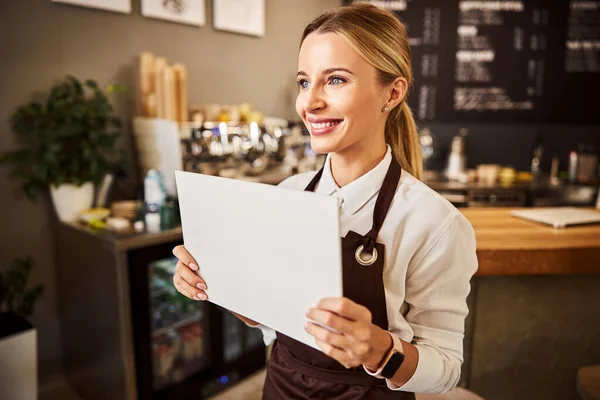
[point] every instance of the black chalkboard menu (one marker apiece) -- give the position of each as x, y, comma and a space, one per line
528, 61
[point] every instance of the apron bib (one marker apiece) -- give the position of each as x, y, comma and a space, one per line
298, 371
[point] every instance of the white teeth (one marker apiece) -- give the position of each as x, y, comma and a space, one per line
323, 125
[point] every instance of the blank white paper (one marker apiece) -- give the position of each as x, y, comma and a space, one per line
265, 252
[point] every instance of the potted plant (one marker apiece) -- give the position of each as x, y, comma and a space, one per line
68, 143
18, 337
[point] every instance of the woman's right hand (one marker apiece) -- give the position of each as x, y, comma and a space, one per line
185, 280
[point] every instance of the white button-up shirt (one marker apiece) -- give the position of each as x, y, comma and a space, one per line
429, 260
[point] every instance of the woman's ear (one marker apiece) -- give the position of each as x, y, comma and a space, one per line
397, 92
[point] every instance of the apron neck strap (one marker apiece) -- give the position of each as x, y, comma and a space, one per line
313, 183
383, 203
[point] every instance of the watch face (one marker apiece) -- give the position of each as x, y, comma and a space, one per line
392, 365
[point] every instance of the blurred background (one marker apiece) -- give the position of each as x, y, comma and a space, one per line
102, 100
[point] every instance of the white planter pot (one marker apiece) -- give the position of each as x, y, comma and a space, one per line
18, 366
69, 200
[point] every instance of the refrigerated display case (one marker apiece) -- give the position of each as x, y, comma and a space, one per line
127, 334
185, 347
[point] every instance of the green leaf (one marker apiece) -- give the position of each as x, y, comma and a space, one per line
13, 294
78, 110
91, 84
36, 108
29, 300
94, 167
70, 130
59, 180
107, 141
41, 171
22, 155
76, 85
17, 276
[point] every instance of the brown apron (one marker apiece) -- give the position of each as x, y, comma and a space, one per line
298, 371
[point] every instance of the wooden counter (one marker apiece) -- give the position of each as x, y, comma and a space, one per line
510, 246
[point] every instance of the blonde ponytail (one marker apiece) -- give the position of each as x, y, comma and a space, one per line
402, 136
381, 39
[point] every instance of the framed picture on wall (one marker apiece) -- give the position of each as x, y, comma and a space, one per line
122, 6
190, 12
240, 16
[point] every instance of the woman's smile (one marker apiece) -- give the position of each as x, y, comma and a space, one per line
319, 126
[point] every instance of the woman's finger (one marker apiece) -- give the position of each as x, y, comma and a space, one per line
356, 350
345, 307
189, 276
339, 355
182, 255
359, 350
331, 320
327, 336
183, 292
188, 290
176, 279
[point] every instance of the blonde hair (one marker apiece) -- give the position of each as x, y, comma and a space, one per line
381, 39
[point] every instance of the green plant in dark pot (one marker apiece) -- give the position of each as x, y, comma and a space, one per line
16, 301
69, 143
18, 337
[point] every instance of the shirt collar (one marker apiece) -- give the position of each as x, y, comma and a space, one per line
355, 194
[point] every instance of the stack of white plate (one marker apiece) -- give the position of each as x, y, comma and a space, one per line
125, 209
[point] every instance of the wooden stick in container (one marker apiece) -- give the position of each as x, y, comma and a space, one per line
151, 105
147, 61
161, 64
170, 98
182, 95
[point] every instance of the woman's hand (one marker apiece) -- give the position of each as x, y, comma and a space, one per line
187, 282
357, 340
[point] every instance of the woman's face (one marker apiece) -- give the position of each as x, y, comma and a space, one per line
340, 100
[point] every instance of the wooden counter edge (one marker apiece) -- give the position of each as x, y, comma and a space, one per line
539, 262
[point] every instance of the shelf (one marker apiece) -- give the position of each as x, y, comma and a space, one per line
176, 325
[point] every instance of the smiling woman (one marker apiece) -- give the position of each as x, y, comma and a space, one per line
407, 254
358, 69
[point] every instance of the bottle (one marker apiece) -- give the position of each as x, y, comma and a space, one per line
536, 159
573, 166
456, 165
154, 198
426, 142
554, 172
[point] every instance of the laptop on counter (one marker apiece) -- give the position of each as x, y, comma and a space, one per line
559, 217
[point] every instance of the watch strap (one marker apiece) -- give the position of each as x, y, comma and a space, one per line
396, 348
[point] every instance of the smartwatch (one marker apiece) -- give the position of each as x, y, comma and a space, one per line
391, 362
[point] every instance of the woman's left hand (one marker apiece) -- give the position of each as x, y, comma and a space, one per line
352, 346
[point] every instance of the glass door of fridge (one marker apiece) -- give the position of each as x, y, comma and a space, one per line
238, 338
179, 331
183, 348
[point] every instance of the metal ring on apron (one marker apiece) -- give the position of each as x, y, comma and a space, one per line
361, 261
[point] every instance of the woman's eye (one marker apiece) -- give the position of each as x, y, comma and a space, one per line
303, 83
336, 80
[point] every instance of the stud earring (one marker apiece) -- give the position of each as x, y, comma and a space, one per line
386, 109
